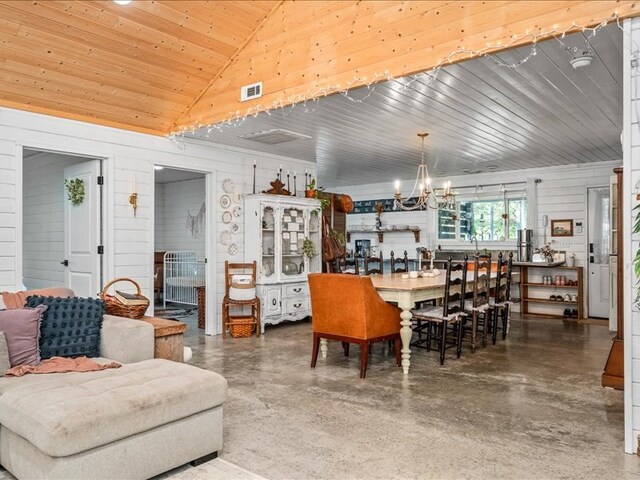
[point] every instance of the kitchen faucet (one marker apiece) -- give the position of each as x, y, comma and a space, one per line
475, 239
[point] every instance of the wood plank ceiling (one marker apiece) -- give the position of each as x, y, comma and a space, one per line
136, 67
481, 116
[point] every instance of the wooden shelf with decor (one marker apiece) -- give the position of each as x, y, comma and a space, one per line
528, 288
416, 233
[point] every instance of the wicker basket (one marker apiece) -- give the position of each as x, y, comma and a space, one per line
113, 306
241, 327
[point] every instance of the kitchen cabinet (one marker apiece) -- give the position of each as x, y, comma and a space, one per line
276, 229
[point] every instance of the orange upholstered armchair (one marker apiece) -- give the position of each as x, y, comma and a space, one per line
347, 308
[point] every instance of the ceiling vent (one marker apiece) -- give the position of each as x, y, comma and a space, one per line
274, 136
249, 92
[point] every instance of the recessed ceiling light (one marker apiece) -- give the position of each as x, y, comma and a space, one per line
158, 167
122, 2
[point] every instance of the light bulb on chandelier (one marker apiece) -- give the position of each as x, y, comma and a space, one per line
427, 197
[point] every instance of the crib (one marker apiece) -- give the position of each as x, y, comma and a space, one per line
183, 272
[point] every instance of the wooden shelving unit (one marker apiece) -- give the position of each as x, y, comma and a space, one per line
528, 288
416, 233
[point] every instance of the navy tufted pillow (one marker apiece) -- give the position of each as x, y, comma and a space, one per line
70, 327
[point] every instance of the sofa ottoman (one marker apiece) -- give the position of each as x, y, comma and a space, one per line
135, 421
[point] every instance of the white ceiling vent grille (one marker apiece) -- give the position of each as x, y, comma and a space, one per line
249, 92
274, 136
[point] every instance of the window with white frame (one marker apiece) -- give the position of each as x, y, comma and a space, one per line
491, 219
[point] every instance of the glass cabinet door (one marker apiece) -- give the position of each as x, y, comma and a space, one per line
292, 241
313, 236
268, 241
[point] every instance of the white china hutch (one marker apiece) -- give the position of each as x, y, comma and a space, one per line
275, 230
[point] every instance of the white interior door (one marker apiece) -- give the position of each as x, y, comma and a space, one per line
599, 234
82, 232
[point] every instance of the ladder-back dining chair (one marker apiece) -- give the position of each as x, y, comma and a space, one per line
501, 301
373, 265
399, 265
447, 319
477, 307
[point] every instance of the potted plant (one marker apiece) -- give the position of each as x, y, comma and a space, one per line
308, 248
311, 190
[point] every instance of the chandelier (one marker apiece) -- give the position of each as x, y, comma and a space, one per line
427, 197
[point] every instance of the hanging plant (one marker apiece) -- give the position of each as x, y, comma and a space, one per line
75, 190
636, 258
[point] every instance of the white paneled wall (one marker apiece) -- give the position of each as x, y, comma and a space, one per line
631, 188
43, 221
178, 198
562, 193
129, 240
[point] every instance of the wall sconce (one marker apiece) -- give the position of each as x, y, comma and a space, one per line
133, 198
133, 201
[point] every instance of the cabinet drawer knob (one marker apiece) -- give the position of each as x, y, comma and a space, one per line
297, 290
274, 302
297, 305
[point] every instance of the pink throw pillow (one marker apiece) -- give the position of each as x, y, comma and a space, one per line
21, 327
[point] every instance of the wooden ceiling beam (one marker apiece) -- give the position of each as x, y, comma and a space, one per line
399, 37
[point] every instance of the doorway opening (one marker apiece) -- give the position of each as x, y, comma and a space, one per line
62, 222
180, 246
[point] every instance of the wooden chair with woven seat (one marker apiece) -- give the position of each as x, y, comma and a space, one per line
345, 265
477, 307
240, 292
373, 265
501, 302
446, 319
399, 266
348, 308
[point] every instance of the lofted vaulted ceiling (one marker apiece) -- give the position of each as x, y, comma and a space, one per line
163, 66
137, 67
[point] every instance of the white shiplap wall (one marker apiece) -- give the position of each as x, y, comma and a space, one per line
631, 187
43, 221
562, 193
130, 157
178, 198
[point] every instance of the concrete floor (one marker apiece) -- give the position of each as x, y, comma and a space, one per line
530, 407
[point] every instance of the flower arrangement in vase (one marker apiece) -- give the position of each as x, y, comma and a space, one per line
547, 252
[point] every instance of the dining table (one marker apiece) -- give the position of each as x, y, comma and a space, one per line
406, 292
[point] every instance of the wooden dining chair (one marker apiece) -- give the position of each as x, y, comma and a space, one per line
346, 265
501, 302
240, 292
399, 266
477, 307
373, 265
447, 319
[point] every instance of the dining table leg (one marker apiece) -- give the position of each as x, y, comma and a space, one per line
406, 303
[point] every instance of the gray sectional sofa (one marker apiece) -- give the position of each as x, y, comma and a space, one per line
136, 421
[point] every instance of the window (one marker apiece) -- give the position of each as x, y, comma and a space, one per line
484, 219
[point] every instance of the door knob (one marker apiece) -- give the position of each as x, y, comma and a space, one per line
65, 263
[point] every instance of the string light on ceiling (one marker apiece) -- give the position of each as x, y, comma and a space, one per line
427, 197
308, 101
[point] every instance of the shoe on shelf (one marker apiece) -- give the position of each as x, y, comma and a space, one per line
574, 313
552, 298
567, 298
567, 313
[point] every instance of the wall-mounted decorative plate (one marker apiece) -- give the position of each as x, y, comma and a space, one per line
226, 217
237, 212
225, 201
235, 228
227, 185
233, 249
236, 197
225, 238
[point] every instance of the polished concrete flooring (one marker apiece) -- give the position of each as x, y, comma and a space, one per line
530, 407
